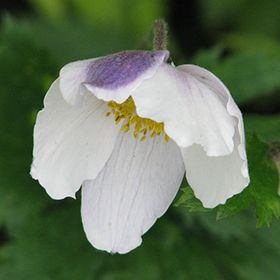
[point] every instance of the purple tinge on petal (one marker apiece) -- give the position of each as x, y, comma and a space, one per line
120, 69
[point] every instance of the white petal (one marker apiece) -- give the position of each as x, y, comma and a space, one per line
223, 93
127, 78
71, 77
135, 187
215, 179
217, 86
111, 77
71, 144
192, 111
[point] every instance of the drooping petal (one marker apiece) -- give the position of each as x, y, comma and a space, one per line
135, 187
192, 111
71, 78
223, 93
111, 77
71, 144
215, 179
225, 176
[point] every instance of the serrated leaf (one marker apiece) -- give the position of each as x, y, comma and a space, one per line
235, 204
263, 188
264, 180
189, 200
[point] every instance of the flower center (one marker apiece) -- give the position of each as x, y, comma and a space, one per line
127, 110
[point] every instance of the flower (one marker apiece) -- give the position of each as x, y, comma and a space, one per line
126, 127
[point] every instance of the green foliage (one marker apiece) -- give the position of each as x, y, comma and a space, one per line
54, 247
262, 190
132, 17
243, 15
24, 70
189, 200
66, 42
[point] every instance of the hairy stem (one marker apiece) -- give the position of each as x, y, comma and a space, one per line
160, 35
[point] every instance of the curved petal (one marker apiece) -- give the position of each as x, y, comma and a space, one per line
135, 187
215, 179
71, 144
192, 111
115, 76
71, 78
111, 77
223, 93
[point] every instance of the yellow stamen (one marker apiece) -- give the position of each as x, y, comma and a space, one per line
166, 138
143, 138
127, 110
153, 134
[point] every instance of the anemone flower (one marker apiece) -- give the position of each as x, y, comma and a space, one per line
126, 127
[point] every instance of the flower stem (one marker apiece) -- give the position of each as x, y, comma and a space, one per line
160, 35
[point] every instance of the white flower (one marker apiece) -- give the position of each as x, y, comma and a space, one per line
126, 127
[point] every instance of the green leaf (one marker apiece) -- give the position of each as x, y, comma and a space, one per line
189, 200
263, 188
235, 204
264, 180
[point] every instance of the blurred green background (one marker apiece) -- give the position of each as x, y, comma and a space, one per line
43, 239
